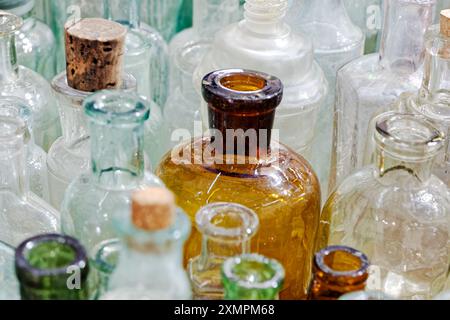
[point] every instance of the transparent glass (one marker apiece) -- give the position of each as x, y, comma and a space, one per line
264, 42
23, 213
150, 264
162, 15
19, 81
185, 17
116, 128
8, 280
377, 80
336, 41
440, 5
396, 211
365, 295
226, 231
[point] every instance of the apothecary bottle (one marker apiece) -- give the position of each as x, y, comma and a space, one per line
226, 230
252, 277
52, 267
19, 81
150, 263
249, 167
8, 280
396, 211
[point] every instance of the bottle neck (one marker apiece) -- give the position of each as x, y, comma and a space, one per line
210, 16
9, 67
265, 17
126, 12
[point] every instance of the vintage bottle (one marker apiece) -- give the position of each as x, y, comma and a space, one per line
150, 264
19, 81
337, 41
226, 231
8, 280
252, 277
264, 42
24, 213
116, 129
162, 15
52, 267
338, 270
396, 211
377, 80
251, 169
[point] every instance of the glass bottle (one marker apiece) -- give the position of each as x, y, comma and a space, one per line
338, 270
185, 16
264, 42
336, 41
396, 211
377, 80
19, 81
116, 128
8, 280
23, 213
150, 264
226, 231
35, 156
252, 277
52, 267
255, 171
162, 15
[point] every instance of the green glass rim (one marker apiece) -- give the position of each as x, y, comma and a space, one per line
363, 259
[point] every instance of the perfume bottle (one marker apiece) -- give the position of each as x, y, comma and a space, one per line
163, 15
24, 213
19, 81
8, 281
373, 81
337, 41
52, 267
338, 270
116, 128
396, 211
35, 156
150, 265
240, 162
226, 230
252, 277
264, 42
35, 42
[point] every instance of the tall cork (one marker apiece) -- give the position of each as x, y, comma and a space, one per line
94, 54
445, 22
153, 209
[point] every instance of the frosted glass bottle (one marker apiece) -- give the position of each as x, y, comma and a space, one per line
264, 42
19, 81
337, 41
377, 80
162, 15
8, 280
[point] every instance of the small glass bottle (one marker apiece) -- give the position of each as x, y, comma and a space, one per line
241, 161
162, 15
150, 264
396, 211
338, 270
377, 80
19, 81
252, 277
226, 230
8, 280
52, 267
116, 129
24, 213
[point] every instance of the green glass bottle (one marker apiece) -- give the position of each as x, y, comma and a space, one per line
252, 277
52, 267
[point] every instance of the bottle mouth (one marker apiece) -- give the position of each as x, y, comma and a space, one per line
263, 10
13, 107
9, 23
12, 130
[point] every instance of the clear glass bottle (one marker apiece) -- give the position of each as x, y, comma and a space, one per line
35, 156
35, 42
24, 213
338, 270
377, 80
252, 277
19, 81
226, 231
150, 264
257, 172
162, 15
264, 42
337, 41
8, 280
396, 211
116, 128
52, 267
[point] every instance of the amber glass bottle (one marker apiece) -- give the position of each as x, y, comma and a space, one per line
338, 270
240, 162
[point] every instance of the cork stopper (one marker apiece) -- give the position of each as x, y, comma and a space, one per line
153, 209
94, 54
445, 22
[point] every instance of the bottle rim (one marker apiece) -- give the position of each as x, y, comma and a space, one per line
9, 23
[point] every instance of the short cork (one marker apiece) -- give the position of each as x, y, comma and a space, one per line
445, 22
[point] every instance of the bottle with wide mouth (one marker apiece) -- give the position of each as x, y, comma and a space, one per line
52, 267
163, 15
21, 82
396, 211
8, 280
241, 161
